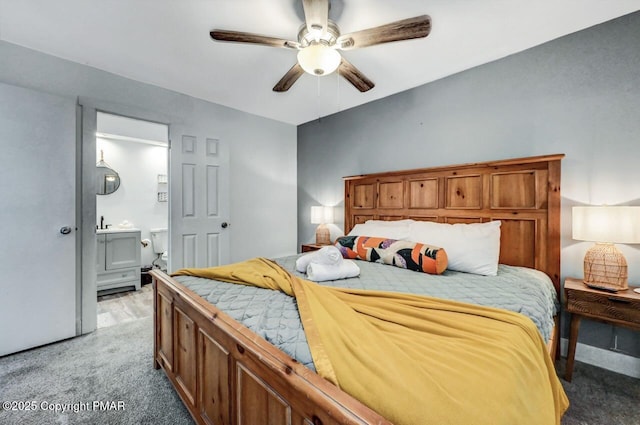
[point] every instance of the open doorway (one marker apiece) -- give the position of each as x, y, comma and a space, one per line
132, 214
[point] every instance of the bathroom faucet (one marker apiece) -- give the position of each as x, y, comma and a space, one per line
102, 225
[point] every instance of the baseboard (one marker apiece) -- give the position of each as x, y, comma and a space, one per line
605, 359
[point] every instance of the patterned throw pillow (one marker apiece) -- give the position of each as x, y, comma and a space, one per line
405, 254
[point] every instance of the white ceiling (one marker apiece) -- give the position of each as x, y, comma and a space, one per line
167, 43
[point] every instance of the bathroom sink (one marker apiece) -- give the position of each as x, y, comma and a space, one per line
116, 230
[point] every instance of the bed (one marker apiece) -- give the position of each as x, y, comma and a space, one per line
226, 373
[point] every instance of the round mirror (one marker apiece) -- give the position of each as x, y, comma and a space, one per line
108, 181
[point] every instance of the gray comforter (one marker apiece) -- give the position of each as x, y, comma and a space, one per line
274, 315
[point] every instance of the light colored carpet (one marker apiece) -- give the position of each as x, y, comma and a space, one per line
113, 364
600, 397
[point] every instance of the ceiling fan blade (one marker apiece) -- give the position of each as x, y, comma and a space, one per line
354, 76
316, 14
245, 37
289, 78
406, 29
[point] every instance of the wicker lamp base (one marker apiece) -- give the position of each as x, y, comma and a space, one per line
323, 236
605, 268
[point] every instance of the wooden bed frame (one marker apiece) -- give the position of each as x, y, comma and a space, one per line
226, 374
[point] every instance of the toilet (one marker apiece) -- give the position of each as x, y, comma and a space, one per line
159, 242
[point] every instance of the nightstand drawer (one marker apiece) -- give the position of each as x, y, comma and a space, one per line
604, 306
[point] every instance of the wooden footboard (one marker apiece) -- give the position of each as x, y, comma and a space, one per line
226, 374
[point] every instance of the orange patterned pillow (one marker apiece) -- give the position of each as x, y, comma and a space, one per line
405, 254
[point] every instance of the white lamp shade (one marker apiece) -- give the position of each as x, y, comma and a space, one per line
615, 224
318, 59
321, 215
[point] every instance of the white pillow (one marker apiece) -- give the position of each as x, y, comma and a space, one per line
398, 230
471, 248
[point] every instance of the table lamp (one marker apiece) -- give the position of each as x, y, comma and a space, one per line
322, 216
604, 265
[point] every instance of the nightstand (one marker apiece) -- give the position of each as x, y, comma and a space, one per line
617, 308
308, 247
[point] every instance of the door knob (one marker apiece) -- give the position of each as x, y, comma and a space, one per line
225, 224
65, 230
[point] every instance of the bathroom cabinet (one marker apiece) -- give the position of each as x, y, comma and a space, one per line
118, 259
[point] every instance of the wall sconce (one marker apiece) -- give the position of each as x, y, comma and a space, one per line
604, 265
322, 216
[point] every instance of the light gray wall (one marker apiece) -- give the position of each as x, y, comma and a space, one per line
262, 151
136, 199
578, 95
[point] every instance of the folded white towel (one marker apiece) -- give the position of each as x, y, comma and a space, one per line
327, 255
322, 272
303, 261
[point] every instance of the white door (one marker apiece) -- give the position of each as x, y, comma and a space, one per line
37, 192
199, 198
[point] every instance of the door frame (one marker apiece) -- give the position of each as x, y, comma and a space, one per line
78, 218
87, 218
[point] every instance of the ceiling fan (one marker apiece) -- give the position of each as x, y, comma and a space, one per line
319, 40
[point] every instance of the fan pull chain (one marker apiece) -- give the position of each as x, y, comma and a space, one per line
318, 99
338, 94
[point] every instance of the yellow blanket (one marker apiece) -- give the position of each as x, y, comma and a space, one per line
418, 360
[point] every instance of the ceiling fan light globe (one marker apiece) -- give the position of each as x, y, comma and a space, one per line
318, 59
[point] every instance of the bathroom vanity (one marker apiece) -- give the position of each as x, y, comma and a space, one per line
118, 259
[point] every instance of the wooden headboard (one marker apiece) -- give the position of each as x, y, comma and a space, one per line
523, 193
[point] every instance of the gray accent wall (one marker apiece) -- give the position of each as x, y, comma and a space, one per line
578, 95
